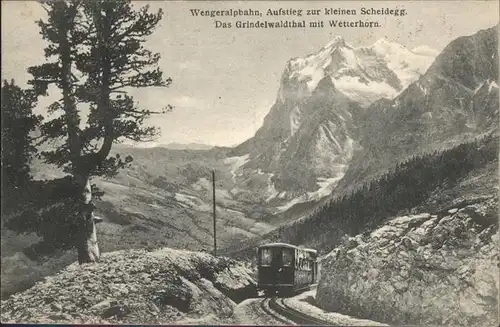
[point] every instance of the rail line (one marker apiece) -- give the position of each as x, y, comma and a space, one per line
264, 305
278, 306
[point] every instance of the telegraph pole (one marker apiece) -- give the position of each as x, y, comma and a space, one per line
215, 231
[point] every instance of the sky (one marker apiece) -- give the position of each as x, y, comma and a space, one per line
226, 79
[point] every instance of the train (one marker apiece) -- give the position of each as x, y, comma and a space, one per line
285, 269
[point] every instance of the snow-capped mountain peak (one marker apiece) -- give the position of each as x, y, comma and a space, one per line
310, 133
388, 50
386, 45
337, 41
365, 74
311, 69
406, 64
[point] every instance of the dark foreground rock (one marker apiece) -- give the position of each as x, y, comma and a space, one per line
422, 269
136, 286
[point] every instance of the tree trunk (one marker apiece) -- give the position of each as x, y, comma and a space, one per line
86, 240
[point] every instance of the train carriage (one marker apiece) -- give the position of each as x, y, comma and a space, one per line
286, 269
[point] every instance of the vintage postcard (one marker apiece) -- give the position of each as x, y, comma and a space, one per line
250, 162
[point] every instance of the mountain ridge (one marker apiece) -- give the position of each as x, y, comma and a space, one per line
277, 147
444, 107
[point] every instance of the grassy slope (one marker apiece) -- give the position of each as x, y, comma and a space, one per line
163, 199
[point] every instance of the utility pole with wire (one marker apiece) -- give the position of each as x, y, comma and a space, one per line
215, 230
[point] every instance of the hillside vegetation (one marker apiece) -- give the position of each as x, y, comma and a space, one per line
431, 182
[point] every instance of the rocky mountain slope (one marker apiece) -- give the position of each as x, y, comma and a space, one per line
312, 131
163, 286
427, 183
429, 269
454, 101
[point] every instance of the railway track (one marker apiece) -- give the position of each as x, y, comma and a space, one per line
265, 306
277, 305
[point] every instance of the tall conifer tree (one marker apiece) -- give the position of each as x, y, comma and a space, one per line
96, 54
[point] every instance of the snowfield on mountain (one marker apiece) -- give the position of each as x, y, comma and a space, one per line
366, 73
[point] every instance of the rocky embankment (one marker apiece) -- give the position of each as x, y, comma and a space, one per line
163, 286
425, 269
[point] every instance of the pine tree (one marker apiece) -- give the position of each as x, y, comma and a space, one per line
97, 53
18, 121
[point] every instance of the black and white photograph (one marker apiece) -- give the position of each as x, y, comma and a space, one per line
330, 163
